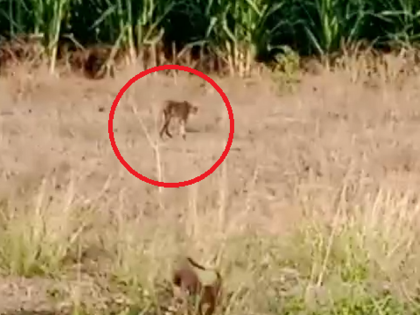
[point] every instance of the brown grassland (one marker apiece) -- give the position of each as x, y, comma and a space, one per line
314, 211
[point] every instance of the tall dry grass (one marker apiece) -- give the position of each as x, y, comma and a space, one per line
315, 210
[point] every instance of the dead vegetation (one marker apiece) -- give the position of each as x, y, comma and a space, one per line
315, 210
100, 61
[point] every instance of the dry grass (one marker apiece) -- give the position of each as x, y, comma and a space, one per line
314, 211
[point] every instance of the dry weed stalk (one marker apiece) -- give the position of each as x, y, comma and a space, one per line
155, 147
223, 193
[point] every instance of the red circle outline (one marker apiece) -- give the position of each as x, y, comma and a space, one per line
151, 181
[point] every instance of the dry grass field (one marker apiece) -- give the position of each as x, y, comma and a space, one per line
314, 211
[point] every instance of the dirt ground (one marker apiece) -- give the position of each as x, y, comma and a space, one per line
292, 153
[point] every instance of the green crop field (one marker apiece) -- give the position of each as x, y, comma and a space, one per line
238, 31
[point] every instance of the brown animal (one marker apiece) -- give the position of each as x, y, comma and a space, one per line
194, 280
95, 63
98, 63
176, 110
